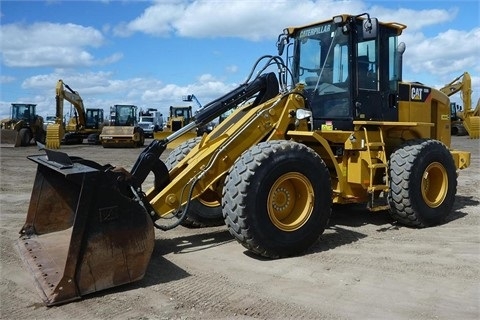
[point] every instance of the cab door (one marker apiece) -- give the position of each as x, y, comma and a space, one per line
378, 73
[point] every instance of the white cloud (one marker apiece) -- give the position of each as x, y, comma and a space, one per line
414, 19
253, 20
102, 90
232, 69
6, 79
97, 89
447, 52
206, 89
156, 19
441, 55
51, 44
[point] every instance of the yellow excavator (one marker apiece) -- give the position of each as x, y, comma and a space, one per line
85, 124
468, 119
336, 125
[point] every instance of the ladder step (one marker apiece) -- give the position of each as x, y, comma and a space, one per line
377, 208
377, 165
376, 144
377, 187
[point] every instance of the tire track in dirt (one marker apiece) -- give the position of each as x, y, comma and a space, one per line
213, 292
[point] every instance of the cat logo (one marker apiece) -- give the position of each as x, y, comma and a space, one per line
419, 93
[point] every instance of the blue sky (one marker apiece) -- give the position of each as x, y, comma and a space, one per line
151, 53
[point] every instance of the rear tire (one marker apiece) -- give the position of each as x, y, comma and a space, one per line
277, 198
206, 210
423, 183
25, 137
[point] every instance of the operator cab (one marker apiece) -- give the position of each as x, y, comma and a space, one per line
347, 72
94, 118
124, 115
25, 112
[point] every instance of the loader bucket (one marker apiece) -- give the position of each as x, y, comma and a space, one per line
10, 138
472, 125
55, 134
82, 233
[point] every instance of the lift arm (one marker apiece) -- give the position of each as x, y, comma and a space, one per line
264, 88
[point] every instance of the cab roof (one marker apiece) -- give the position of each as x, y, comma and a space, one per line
392, 25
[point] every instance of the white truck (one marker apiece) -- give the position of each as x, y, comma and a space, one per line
150, 121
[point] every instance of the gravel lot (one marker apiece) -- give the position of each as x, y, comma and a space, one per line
363, 267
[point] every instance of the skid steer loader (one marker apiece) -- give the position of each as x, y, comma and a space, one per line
337, 126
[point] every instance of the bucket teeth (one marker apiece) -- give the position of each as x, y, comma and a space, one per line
472, 125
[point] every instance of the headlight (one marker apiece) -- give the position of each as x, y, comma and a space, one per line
303, 114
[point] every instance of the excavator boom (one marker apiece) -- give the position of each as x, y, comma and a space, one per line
470, 119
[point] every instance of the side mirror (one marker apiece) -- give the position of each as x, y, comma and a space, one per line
280, 47
282, 41
370, 28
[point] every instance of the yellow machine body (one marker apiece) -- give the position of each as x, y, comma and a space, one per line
270, 171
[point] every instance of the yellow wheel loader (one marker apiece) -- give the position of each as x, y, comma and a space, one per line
23, 126
123, 130
336, 126
178, 118
85, 124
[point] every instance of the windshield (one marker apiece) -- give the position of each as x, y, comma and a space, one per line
23, 111
323, 66
323, 55
146, 119
125, 115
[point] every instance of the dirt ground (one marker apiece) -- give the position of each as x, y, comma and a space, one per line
363, 267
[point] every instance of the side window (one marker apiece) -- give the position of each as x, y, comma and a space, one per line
394, 74
367, 67
340, 63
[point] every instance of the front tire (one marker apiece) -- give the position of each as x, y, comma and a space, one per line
277, 198
205, 210
423, 183
141, 137
41, 136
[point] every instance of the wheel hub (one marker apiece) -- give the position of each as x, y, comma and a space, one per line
290, 201
434, 184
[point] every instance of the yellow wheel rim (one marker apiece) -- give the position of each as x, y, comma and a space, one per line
434, 185
209, 198
290, 201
